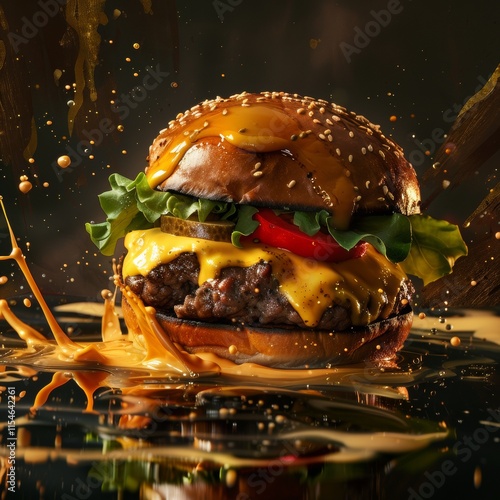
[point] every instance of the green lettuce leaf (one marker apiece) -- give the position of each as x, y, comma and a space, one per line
310, 222
436, 245
389, 234
245, 225
132, 204
120, 206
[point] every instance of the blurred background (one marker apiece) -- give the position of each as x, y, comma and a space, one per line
96, 80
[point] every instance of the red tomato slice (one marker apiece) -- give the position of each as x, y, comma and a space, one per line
275, 231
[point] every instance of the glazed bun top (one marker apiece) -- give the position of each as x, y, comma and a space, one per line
282, 150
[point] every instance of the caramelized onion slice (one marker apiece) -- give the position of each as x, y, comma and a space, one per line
218, 230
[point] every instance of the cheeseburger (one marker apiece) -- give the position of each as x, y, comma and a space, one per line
276, 229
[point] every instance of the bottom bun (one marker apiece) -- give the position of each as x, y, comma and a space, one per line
286, 348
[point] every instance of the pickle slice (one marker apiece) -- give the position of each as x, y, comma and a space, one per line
219, 230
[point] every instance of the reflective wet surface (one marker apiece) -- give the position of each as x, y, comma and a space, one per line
425, 426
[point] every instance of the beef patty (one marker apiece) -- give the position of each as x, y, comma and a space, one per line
246, 295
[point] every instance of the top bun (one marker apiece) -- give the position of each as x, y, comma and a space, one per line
284, 151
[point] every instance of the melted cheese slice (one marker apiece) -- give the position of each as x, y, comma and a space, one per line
369, 285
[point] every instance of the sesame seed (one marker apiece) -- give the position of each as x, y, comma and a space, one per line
311, 113
327, 131
329, 121
381, 198
291, 184
367, 184
322, 110
257, 173
337, 151
381, 153
385, 189
336, 118
347, 173
293, 137
301, 111
350, 158
358, 198
370, 147
330, 138
205, 124
257, 165
224, 111
322, 136
242, 130
351, 133
391, 196
302, 135
316, 121
363, 150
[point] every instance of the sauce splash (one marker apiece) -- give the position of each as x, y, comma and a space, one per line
157, 350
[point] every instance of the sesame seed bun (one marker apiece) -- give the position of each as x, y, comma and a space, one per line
322, 145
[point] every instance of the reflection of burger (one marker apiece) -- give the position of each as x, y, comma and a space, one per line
276, 229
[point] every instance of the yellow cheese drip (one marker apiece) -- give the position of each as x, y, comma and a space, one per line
260, 128
369, 285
